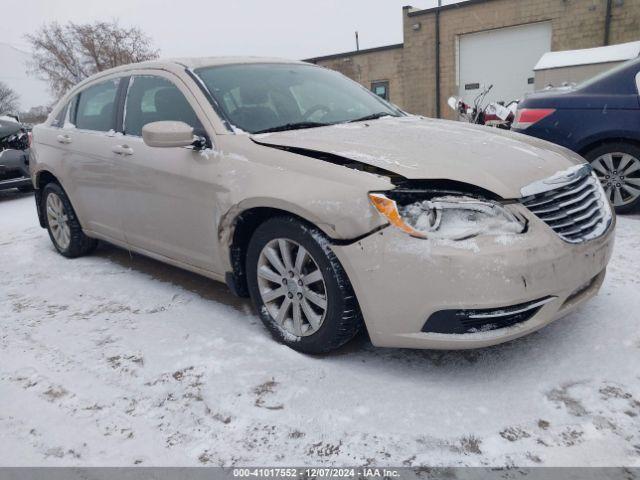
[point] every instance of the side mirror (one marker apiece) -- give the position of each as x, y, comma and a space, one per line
167, 134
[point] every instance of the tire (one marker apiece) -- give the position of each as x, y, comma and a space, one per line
341, 318
621, 185
58, 212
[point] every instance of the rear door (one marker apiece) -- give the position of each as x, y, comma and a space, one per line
89, 135
166, 194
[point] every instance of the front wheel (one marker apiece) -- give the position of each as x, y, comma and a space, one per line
299, 288
617, 165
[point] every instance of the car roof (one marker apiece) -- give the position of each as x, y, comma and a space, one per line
199, 62
185, 62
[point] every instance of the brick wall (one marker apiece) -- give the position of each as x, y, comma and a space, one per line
411, 70
574, 23
372, 66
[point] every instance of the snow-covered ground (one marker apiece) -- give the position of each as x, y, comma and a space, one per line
119, 360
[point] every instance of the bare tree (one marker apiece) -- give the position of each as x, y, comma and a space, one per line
66, 54
8, 99
35, 114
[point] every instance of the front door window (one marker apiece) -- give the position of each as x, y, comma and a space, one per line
152, 99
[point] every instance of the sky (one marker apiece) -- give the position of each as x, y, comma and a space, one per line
284, 28
295, 29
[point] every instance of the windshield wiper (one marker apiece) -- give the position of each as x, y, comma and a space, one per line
293, 126
373, 116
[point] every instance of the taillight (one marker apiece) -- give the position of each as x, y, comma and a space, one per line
30, 138
526, 117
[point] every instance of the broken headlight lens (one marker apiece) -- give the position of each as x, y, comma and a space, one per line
449, 217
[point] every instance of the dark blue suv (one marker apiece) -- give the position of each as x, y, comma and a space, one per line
600, 120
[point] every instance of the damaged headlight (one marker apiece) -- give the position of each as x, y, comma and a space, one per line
450, 217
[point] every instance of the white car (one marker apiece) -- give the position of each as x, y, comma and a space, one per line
330, 207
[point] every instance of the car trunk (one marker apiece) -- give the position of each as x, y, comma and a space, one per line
577, 100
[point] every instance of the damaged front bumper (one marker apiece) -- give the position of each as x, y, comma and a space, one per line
473, 293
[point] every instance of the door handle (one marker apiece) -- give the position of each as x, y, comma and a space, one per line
122, 150
64, 139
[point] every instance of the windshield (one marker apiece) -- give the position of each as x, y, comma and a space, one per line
270, 97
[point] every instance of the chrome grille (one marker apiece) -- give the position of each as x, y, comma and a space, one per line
577, 210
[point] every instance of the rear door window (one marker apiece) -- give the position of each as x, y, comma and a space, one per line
60, 118
96, 107
152, 99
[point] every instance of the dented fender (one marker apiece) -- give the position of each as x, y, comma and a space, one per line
332, 197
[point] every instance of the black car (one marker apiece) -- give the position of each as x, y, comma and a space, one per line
15, 139
599, 119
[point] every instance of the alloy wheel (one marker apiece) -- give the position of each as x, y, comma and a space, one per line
619, 174
292, 287
58, 221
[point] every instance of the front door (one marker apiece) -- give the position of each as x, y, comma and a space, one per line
166, 194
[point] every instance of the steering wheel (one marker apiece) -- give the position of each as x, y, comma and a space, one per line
314, 109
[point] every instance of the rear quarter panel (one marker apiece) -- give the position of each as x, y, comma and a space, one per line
584, 119
578, 129
48, 155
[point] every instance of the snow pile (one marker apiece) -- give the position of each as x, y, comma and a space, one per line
112, 360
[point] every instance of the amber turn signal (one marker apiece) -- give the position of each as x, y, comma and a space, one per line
389, 209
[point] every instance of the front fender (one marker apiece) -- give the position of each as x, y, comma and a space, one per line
229, 219
331, 197
591, 141
338, 221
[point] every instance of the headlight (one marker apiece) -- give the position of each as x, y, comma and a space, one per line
448, 217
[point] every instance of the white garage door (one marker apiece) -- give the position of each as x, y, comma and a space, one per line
503, 58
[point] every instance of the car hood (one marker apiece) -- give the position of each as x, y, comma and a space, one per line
8, 128
419, 148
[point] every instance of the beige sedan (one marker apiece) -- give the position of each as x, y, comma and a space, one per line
331, 208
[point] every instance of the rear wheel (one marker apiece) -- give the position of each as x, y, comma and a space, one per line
62, 223
617, 165
299, 288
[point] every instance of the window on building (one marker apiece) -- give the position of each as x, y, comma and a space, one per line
381, 89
